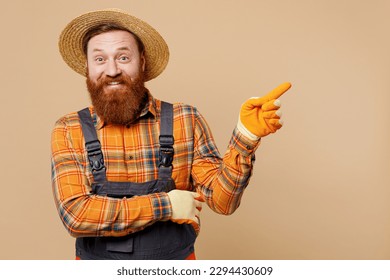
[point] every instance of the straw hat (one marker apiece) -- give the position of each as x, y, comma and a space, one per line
71, 49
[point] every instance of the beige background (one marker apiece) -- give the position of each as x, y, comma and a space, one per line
321, 185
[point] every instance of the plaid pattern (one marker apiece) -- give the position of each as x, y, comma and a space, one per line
131, 154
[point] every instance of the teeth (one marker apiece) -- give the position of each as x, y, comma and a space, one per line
114, 83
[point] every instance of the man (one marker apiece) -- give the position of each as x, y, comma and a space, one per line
130, 173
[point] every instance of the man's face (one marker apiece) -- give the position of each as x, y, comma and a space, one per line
113, 53
115, 77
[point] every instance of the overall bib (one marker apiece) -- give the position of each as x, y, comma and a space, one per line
161, 240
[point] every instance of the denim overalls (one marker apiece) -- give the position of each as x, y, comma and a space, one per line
161, 240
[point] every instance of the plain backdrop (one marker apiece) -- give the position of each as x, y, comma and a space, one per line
321, 185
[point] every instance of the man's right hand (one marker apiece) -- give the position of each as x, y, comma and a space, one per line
186, 207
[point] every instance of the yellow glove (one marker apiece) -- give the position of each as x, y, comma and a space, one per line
260, 116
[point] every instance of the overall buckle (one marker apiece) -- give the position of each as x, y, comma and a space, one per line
166, 150
95, 156
166, 156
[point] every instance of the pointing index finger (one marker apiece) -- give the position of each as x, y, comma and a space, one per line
278, 91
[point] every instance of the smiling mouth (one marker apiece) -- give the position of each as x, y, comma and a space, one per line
114, 84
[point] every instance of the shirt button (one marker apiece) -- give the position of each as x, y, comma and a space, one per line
131, 157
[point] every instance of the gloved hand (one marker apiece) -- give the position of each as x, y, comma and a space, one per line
186, 207
260, 116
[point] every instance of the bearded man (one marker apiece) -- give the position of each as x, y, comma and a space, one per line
130, 173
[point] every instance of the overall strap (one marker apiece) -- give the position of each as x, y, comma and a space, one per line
166, 141
92, 144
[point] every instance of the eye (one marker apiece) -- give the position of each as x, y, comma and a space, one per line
124, 58
99, 59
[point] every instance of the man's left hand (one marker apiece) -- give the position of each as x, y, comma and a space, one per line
260, 116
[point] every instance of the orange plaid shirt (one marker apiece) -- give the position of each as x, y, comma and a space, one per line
131, 154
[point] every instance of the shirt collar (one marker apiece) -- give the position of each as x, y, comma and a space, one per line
151, 106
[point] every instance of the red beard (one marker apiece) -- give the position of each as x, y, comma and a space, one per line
121, 104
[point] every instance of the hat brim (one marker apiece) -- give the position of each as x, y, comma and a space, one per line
70, 42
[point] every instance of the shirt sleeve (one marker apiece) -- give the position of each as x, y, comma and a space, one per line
221, 181
86, 214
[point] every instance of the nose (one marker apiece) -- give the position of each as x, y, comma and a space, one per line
112, 69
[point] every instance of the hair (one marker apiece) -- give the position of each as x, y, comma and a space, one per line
107, 27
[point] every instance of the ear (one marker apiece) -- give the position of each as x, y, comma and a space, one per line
86, 68
143, 62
